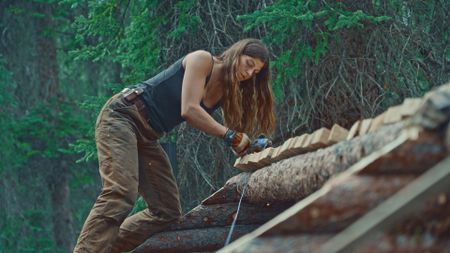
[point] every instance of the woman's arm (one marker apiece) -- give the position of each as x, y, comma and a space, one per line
197, 67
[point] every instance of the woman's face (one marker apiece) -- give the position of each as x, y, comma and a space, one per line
248, 67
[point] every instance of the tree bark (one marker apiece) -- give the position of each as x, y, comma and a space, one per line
296, 243
312, 242
48, 71
192, 240
58, 176
221, 215
342, 206
62, 214
295, 178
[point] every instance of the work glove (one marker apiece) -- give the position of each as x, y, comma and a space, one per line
238, 142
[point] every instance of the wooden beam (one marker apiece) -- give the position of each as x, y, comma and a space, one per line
364, 127
363, 163
294, 178
337, 134
393, 115
377, 122
299, 176
280, 244
353, 132
266, 157
220, 215
343, 205
285, 149
191, 240
408, 200
319, 138
411, 106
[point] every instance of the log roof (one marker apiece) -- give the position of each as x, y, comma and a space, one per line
381, 186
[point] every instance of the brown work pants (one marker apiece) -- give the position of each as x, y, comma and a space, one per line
130, 162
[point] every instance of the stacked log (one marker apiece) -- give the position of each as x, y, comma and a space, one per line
311, 223
275, 187
205, 228
324, 137
294, 178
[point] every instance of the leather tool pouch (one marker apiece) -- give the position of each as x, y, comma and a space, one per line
131, 94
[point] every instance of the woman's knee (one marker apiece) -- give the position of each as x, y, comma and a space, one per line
169, 214
116, 204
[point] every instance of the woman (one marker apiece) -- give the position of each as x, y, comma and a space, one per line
130, 159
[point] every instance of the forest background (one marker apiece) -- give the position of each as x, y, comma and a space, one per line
332, 62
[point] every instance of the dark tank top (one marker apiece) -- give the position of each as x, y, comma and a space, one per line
162, 97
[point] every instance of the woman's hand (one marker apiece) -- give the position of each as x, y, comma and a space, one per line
238, 142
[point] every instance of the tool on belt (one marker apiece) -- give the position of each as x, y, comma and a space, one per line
131, 94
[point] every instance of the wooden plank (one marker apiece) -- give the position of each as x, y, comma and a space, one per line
364, 128
393, 115
300, 143
280, 181
296, 147
377, 122
266, 156
285, 153
308, 243
319, 138
305, 143
408, 200
353, 132
207, 239
293, 149
242, 163
285, 244
276, 154
380, 154
410, 106
219, 215
337, 134
253, 161
343, 205
396, 113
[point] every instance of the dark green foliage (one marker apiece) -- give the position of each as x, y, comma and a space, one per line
341, 61
8, 106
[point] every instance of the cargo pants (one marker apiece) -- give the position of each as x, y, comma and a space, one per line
131, 162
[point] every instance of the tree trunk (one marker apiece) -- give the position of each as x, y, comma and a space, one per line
295, 178
46, 48
58, 176
192, 240
343, 205
223, 214
62, 213
297, 243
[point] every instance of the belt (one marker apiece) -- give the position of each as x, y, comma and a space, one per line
133, 96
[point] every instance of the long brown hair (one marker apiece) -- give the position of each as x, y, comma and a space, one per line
248, 106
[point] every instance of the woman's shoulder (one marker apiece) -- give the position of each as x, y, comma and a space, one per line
198, 59
201, 54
